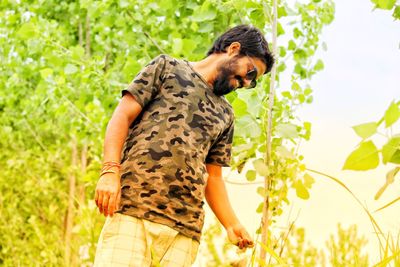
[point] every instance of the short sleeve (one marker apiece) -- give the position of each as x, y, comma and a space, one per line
220, 151
146, 85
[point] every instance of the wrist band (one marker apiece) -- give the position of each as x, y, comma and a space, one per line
109, 164
107, 171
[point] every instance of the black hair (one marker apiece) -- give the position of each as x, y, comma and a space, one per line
252, 43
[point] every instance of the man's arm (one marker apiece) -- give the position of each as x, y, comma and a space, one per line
217, 199
108, 191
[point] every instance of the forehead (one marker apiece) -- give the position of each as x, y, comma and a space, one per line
259, 65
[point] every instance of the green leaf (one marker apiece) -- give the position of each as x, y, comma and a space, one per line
392, 114
240, 107
301, 190
319, 65
396, 157
251, 175
365, 157
291, 45
177, 45
287, 94
389, 149
282, 12
284, 152
70, 69
282, 51
297, 33
287, 130
203, 14
281, 67
366, 130
46, 73
298, 68
261, 191
188, 45
260, 167
27, 31
77, 52
308, 180
131, 68
384, 4
280, 30
246, 126
396, 13
260, 207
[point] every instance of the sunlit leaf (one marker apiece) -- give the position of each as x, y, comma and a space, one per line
260, 167
46, 73
308, 180
251, 175
319, 65
287, 130
301, 190
70, 69
392, 114
384, 4
366, 130
389, 149
365, 157
27, 31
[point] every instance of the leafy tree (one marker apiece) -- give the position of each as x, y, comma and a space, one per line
347, 249
64, 64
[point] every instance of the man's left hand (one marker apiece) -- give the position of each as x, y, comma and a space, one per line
238, 235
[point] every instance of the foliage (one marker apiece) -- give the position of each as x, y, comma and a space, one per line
298, 29
64, 64
392, 5
297, 252
347, 249
367, 156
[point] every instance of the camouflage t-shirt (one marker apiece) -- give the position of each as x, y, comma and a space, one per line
183, 125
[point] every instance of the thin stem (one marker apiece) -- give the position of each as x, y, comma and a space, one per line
267, 158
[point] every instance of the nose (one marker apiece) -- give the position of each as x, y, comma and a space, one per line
246, 83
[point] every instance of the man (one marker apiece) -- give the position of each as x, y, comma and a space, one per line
163, 151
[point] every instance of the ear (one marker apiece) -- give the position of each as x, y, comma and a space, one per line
233, 49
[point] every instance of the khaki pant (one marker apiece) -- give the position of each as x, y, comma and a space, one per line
131, 241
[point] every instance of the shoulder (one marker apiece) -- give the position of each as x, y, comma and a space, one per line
166, 61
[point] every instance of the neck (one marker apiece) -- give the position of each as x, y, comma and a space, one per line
207, 67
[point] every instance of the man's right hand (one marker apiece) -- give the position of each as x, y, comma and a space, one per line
108, 193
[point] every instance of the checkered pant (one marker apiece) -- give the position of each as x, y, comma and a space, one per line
131, 241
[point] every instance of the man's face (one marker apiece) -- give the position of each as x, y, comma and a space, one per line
234, 73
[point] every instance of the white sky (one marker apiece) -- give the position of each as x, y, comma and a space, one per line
360, 79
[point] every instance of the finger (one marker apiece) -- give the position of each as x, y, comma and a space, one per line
111, 205
100, 202
96, 196
118, 201
240, 244
251, 243
106, 199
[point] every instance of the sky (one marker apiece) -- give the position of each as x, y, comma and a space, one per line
360, 79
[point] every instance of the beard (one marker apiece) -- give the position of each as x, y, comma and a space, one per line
221, 85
